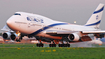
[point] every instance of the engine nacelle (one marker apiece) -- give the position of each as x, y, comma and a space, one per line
10, 35
74, 37
13, 36
6, 35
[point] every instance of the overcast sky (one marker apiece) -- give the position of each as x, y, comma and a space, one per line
60, 10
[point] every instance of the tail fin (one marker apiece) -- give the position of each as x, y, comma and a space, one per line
95, 19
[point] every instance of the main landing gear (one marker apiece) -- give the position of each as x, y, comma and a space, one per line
59, 45
53, 44
39, 45
64, 45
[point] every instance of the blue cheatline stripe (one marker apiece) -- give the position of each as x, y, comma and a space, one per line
99, 10
47, 27
93, 23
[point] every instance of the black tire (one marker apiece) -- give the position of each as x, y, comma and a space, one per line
60, 45
50, 45
68, 45
39, 45
18, 40
64, 45
54, 45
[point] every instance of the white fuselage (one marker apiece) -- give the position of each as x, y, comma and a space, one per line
31, 23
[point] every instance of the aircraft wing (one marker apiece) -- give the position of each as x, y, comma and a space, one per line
97, 31
51, 32
6, 28
59, 32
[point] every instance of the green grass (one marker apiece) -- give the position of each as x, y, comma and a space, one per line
17, 45
30, 51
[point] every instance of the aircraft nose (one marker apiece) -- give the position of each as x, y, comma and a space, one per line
9, 22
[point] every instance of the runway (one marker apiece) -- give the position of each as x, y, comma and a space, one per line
27, 40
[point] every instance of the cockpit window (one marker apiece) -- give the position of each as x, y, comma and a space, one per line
17, 14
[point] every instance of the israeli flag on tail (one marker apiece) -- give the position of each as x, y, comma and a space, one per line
95, 19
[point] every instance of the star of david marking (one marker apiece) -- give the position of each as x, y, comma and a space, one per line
97, 17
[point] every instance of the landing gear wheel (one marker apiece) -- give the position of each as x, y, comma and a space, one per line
68, 45
18, 40
39, 45
52, 45
64, 45
61, 45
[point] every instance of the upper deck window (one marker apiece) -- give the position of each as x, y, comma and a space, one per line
17, 14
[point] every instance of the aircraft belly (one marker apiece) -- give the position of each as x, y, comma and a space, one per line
49, 36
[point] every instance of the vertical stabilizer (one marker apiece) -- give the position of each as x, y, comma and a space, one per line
95, 19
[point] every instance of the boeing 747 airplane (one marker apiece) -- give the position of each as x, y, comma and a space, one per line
48, 30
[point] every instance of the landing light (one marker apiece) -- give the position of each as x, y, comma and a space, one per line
18, 33
75, 22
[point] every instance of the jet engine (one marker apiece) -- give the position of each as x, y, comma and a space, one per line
9, 35
6, 35
13, 36
73, 37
